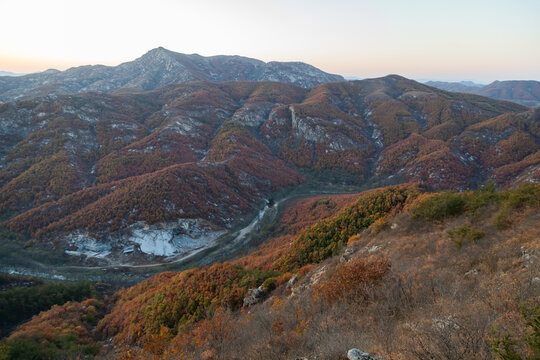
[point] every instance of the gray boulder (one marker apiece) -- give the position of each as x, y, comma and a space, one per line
292, 281
255, 296
355, 354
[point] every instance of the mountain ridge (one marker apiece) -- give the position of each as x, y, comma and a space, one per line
159, 67
136, 167
524, 92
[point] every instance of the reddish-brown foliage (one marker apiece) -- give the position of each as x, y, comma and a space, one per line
351, 281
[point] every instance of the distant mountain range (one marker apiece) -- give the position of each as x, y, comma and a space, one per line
160, 67
157, 68
7, 73
525, 92
461, 86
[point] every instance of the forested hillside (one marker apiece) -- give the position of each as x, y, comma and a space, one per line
435, 275
105, 175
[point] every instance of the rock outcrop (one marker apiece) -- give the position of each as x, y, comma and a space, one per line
255, 296
355, 354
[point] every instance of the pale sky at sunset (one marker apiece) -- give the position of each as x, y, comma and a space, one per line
422, 39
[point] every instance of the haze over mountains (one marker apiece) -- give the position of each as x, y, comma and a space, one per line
7, 73
460, 86
525, 92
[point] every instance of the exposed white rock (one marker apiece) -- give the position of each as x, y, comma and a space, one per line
292, 281
317, 275
154, 242
163, 239
255, 296
374, 248
253, 116
88, 246
183, 125
173, 238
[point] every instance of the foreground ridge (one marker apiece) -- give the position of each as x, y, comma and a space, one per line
412, 259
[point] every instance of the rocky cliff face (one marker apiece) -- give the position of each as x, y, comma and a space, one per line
157, 68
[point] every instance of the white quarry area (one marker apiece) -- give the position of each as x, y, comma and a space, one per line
154, 242
88, 246
163, 239
173, 238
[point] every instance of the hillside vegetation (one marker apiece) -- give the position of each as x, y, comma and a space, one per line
97, 166
20, 303
397, 272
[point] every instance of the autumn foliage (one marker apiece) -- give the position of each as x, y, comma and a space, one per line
351, 281
177, 300
99, 163
408, 272
61, 332
325, 238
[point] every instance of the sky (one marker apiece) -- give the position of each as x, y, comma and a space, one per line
447, 40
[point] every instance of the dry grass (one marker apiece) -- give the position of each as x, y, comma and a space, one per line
400, 291
436, 301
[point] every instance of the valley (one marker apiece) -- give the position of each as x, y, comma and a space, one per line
188, 207
482, 242
223, 248
124, 178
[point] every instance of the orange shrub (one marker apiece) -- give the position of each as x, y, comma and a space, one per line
350, 281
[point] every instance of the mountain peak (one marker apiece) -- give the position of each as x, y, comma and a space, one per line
395, 77
158, 52
159, 67
51, 71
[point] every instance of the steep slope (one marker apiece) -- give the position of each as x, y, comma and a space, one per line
222, 293
435, 275
165, 172
184, 179
524, 92
157, 68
